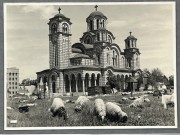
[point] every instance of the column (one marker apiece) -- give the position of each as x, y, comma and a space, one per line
64, 88
57, 84
76, 86
50, 88
95, 79
89, 81
83, 86
70, 86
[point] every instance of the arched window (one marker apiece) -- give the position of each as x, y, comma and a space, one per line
65, 28
107, 57
88, 40
123, 62
56, 55
116, 61
128, 62
97, 23
98, 37
91, 25
54, 28
103, 23
99, 59
109, 39
137, 60
113, 58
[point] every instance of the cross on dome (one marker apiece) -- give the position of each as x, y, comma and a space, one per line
96, 7
59, 10
130, 33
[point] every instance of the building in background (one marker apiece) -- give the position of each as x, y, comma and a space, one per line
12, 81
75, 67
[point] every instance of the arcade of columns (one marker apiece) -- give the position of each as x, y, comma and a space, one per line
76, 82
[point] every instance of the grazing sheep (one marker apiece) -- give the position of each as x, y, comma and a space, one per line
124, 99
138, 102
125, 93
81, 102
100, 108
114, 112
167, 99
146, 100
58, 109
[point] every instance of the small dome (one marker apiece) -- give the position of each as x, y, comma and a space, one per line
59, 15
97, 13
130, 36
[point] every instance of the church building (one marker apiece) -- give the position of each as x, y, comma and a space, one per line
73, 67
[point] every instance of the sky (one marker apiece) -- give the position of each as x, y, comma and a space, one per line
26, 33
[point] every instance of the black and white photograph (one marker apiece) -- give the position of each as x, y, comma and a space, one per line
91, 65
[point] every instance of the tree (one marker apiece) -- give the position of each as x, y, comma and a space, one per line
151, 81
140, 80
165, 80
25, 82
113, 81
171, 80
155, 76
146, 71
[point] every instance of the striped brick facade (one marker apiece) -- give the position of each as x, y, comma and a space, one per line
88, 65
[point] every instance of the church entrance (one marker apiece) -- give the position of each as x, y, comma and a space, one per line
54, 87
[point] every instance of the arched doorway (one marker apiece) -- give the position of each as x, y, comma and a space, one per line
66, 83
122, 82
53, 78
93, 80
86, 81
73, 83
98, 80
79, 82
127, 83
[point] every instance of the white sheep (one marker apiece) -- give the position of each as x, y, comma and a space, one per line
124, 99
100, 108
147, 100
58, 109
81, 102
167, 99
114, 112
138, 102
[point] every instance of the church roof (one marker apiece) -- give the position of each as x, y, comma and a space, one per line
88, 46
97, 13
130, 37
76, 50
80, 55
59, 15
82, 46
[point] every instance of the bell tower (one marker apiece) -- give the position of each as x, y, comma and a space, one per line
59, 41
132, 53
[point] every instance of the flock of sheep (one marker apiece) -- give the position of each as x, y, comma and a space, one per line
110, 110
101, 109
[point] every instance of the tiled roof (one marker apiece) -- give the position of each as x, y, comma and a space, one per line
76, 50
80, 55
88, 46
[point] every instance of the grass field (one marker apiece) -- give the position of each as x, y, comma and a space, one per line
38, 116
